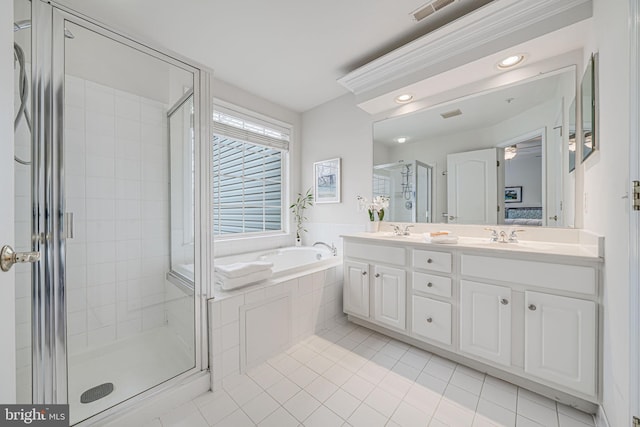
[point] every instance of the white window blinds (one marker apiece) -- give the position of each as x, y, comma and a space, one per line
248, 173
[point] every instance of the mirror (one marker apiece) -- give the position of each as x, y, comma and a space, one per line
517, 127
588, 92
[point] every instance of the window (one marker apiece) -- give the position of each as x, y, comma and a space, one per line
249, 158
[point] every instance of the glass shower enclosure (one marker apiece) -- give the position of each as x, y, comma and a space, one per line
107, 172
409, 187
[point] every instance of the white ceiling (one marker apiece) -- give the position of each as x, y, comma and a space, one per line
290, 52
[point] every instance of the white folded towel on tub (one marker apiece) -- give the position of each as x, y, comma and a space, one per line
240, 269
228, 283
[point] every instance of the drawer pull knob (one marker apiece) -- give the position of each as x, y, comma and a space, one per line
364, 273
429, 261
504, 301
429, 319
429, 285
532, 307
377, 274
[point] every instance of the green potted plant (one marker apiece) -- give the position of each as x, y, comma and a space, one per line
297, 208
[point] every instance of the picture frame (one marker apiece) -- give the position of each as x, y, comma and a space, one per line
513, 194
327, 180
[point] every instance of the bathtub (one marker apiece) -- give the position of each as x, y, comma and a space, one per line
287, 260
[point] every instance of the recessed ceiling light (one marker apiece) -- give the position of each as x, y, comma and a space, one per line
511, 61
404, 98
401, 139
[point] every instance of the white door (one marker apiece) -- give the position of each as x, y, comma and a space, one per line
560, 340
472, 187
485, 321
390, 296
7, 235
356, 288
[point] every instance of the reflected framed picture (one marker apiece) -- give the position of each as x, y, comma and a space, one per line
326, 181
513, 194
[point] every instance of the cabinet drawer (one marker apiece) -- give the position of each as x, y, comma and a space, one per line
375, 253
431, 260
436, 285
432, 319
572, 278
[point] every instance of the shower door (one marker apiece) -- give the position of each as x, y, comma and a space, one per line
108, 319
129, 326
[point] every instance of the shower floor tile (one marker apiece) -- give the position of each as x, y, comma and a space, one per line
388, 383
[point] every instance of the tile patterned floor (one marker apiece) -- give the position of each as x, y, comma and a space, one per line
351, 376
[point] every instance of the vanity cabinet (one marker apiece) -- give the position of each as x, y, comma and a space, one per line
532, 316
485, 321
561, 340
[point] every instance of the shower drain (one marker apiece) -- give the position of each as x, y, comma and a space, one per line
97, 392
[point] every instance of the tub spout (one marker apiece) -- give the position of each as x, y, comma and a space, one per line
332, 248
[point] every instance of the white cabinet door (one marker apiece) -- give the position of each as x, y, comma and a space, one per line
560, 340
390, 296
485, 321
356, 288
472, 187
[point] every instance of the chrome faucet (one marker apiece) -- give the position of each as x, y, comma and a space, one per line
502, 235
513, 237
332, 248
398, 231
494, 234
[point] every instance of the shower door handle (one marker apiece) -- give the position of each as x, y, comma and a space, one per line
8, 257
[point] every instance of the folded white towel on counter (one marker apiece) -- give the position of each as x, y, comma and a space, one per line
231, 283
240, 269
443, 239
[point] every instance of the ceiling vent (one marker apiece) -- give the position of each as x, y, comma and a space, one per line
429, 9
451, 113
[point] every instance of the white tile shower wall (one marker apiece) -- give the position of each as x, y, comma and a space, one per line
316, 305
116, 166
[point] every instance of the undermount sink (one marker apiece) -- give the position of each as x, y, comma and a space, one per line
527, 244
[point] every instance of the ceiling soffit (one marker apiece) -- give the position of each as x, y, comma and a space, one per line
490, 29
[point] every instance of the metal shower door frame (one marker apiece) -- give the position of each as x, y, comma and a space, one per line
49, 351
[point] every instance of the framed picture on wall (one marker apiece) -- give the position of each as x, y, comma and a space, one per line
326, 179
513, 194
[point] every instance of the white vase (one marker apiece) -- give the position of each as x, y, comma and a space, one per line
372, 226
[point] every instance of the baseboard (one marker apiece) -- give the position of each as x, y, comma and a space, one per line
601, 418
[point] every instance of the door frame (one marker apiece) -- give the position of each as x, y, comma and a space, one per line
7, 232
542, 132
634, 218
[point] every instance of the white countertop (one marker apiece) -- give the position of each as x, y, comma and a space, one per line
576, 250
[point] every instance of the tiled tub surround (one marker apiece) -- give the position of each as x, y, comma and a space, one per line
249, 325
527, 312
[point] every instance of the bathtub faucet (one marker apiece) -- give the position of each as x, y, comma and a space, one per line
332, 248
